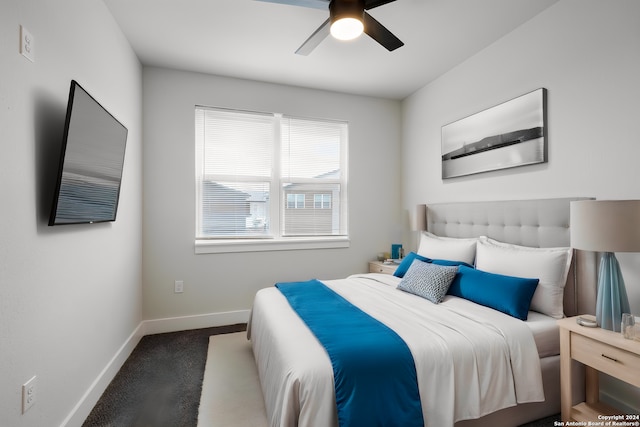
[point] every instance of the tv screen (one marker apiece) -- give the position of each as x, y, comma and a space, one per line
91, 162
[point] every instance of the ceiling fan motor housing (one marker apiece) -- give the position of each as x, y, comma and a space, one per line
339, 9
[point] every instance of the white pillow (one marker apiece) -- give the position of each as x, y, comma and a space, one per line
550, 265
449, 248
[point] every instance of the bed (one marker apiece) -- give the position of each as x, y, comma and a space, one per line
475, 364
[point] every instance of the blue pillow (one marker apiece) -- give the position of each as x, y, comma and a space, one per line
406, 263
510, 295
411, 256
448, 263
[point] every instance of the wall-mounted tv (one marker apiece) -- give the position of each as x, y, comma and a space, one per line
91, 162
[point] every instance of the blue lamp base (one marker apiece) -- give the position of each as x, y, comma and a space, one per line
612, 298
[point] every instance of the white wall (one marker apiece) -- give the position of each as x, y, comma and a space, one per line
219, 283
587, 54
70, 296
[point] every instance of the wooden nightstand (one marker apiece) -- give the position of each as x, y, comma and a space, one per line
381, 267
599, 350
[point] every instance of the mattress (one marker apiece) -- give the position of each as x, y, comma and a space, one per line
545, 333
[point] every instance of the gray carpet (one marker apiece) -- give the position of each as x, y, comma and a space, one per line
545, 422
160, 383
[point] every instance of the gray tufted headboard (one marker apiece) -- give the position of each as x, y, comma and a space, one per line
536, 223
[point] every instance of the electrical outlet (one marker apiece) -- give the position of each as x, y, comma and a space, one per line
28, 394
27, 44
178, 287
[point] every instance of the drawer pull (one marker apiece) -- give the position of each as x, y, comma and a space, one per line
610, 358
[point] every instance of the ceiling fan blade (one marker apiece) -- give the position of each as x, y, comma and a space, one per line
314, 4
314, 39
379, 33
370, 4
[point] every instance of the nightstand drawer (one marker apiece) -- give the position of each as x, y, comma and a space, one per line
603, 357
380, 267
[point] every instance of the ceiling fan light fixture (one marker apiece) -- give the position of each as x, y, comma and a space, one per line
347, 18
347, 28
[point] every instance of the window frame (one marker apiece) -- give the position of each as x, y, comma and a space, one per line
277, 241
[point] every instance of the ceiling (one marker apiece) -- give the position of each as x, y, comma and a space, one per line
256, 40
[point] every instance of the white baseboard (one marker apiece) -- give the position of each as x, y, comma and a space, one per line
172, 324
84, 406
147, 327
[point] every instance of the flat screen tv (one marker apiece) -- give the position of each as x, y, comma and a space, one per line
91, 161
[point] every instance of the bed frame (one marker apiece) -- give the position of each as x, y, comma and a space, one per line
536, 223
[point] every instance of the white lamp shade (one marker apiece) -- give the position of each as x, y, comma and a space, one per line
420, 220
605, 225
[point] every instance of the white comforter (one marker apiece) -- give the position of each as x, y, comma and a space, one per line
470, 360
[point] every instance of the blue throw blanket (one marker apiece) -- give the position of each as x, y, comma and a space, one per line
374, 372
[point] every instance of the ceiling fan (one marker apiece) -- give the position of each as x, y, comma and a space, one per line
347, 20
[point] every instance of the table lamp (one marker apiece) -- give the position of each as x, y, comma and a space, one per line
607, 226
420, 220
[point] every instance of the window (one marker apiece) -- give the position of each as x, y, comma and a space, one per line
322, 201
270, 177
295, 201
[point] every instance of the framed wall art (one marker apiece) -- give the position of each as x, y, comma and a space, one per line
507, 135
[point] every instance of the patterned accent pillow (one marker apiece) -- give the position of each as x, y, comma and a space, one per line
430, 281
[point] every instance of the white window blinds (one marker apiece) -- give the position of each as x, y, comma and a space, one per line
269, 176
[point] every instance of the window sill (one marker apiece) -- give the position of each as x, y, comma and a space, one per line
226, 246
